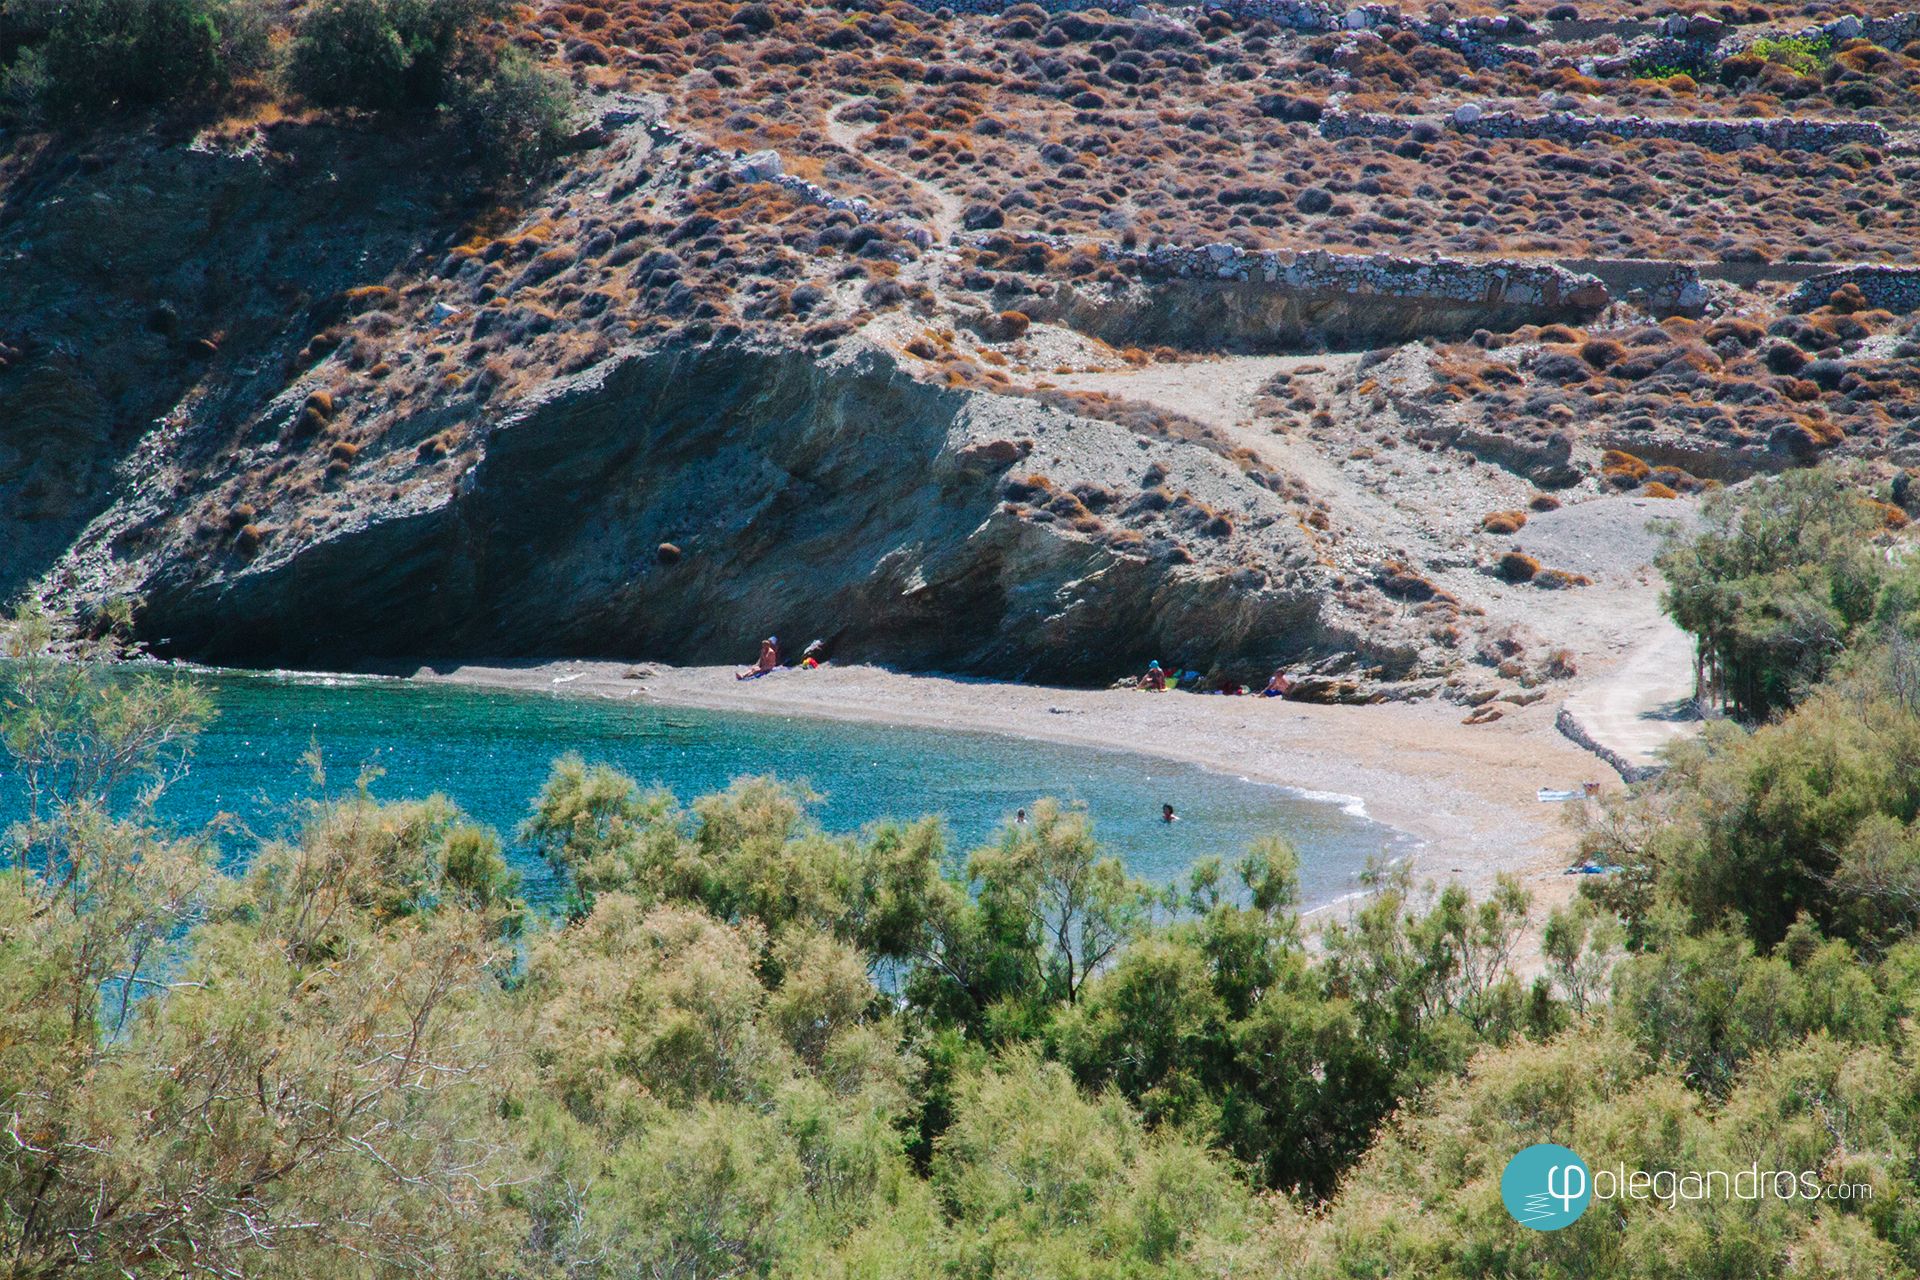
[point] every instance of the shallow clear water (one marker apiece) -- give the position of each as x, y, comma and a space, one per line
490, 751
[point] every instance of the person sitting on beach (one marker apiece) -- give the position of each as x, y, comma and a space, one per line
812, 657
1155, 679
1167, 814
1279, 686
769, 659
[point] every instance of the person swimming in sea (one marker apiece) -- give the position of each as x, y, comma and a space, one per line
1167, 814
769, 659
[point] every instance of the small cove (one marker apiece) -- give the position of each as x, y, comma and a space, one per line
490, 751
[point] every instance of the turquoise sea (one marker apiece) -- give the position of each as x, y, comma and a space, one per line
490, 751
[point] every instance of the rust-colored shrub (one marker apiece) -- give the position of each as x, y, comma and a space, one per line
1006, 326
1517, 566
1847, 299
1600, 353
1503, 521
1622, 469
1544, 502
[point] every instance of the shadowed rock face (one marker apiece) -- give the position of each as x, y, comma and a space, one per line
834, 498
139, 278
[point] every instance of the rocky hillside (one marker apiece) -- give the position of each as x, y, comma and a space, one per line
1024, 340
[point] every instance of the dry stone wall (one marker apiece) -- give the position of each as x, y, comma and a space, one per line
1784, 134
1220, 297
1482, 41
1376, 275
1895, 289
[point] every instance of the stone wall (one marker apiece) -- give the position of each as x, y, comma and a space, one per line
1219, 297
1370, 275
766, 166
1895, 289
1482, 41
1661, 288
1784, 134
1889, 32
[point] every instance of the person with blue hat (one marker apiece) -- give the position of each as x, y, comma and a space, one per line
1155, 679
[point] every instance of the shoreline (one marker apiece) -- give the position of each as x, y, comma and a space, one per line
1465, 793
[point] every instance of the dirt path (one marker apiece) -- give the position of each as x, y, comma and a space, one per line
948, 209
1646, 702
1390, 501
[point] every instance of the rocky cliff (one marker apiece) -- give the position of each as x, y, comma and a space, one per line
679, 503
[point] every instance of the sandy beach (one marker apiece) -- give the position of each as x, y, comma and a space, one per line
1467, 792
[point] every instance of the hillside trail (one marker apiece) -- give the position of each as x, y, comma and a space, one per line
1376, 514
1634, 668
948, 209
1646, 702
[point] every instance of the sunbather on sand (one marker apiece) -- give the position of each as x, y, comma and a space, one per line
1279, 686
769, 659
1155, 679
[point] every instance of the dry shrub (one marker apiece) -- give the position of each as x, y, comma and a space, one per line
1503, 522
1622, 469
1544, 502
1847, 299
1007, 326
1600, 353
1745, 332
1560, 579
1517, 566
1403, 583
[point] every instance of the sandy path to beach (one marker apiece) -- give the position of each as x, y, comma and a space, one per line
1468, 792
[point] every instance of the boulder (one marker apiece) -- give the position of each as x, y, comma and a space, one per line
760, 166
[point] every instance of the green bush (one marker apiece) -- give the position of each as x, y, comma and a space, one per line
388, 54
516, 118
84, 56
1777, 586
1807, 56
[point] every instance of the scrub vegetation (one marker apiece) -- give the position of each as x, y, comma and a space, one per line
749, 1046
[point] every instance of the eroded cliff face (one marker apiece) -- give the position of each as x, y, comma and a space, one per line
144, 279
679, 504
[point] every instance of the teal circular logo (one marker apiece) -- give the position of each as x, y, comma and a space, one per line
1546, 1187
